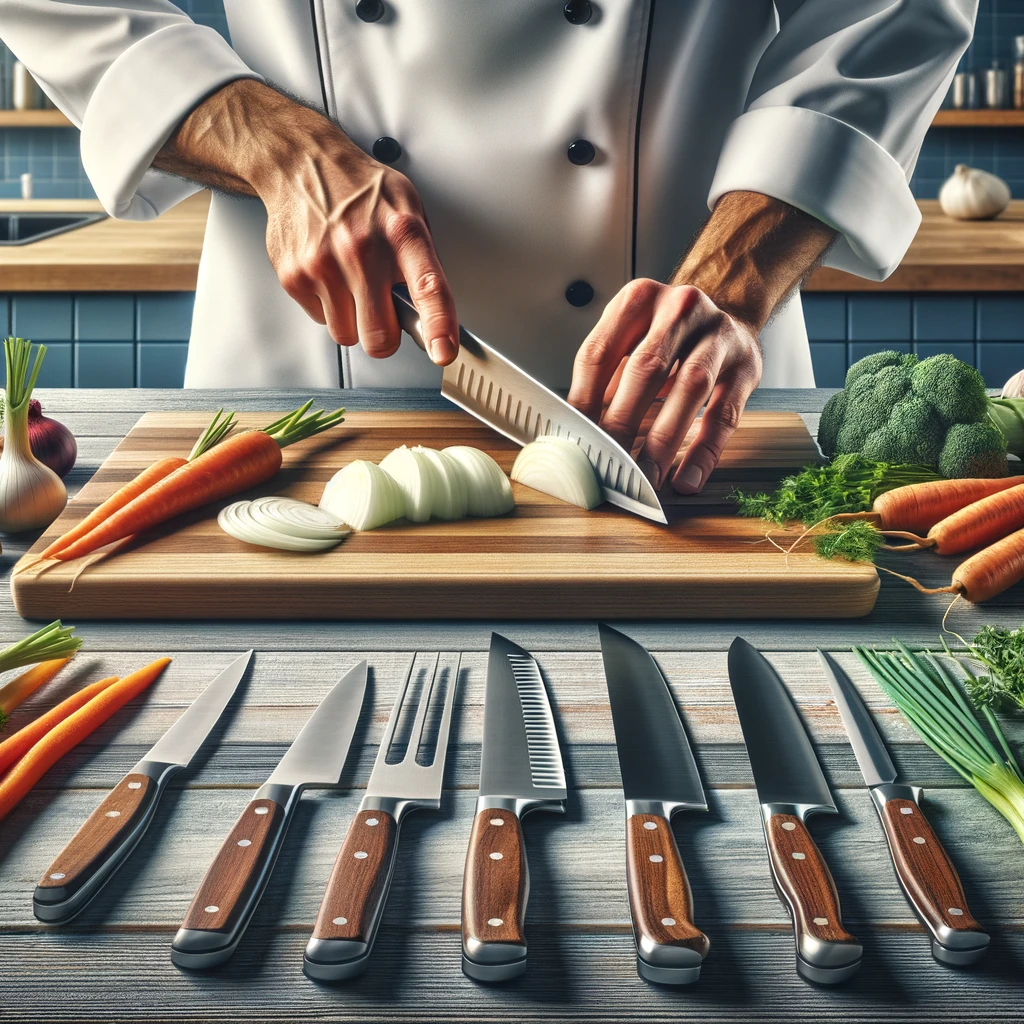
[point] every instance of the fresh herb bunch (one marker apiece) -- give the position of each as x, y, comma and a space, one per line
854, 542
1001, 651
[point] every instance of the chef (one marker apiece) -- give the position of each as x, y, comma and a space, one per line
539, 170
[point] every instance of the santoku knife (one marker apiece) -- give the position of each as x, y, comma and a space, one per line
113, 830
659, 777
358, 886
494, 390
790, 787
520, 770
923, 867
234, 882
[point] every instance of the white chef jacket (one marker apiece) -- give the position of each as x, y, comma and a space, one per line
820, 103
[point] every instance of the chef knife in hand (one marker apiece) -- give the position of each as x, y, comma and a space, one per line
234, 882
923, 867
113, 830
659, 778
520, 770
791, 787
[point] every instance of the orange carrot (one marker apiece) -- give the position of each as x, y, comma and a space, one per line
23, 686
18, 744
992, 570
68, 734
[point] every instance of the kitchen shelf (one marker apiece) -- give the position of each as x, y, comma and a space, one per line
33, 119
979, 119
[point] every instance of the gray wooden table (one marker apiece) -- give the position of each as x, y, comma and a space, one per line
113, 963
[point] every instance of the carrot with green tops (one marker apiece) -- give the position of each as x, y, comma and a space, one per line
18, 744
68, 734
245, 460
22, 687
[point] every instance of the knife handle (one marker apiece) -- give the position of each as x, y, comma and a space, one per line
495, 888
826, 952
350, 912
929, 879
232, 886
97, 849
671, 948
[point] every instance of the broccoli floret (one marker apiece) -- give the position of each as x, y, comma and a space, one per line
955, 389
830, 422
878, 361
920, 430
972, 450
869, 405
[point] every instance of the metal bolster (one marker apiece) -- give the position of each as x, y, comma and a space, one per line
519, 806
881, 795
662, 808
158, 771
801, 811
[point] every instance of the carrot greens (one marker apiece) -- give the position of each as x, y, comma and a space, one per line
46, 644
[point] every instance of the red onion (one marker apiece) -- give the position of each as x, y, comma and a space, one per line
51, 442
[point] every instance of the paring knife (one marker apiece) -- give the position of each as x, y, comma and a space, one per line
358, 886
494, 390
791, 787
114, 829
234, 882
659, 778
520, 771
923, 867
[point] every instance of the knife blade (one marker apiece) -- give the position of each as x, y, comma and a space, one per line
114, 829
520, 771
357, 889
659, 777
234, 882
790, 787
924, 869
492, 388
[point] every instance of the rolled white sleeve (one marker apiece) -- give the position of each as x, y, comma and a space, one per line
836, 114
126, 73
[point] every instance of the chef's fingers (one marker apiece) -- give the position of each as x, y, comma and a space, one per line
624, 322
428, 288
694, 384
303, 289
340, 311
377, 321
720, 419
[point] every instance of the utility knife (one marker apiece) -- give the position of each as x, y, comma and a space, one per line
494, 390
790, 788
520, 771
114, 829
235, 881
659, 778
923, 867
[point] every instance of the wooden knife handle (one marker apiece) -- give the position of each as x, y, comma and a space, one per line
356, 891
105, 837
231, 887
826, 951
659, 899
495, 888
928, 876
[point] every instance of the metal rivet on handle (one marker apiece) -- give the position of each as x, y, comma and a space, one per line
495, 856
799, 856
656, 858
372, 821
821, 920
955, 911
113, 814
920, 840
789, 826
652, 825
495, 922
340, 920
211, 909
497, 821
668, 921
262, 810
361, 855
245, 842
135, 785
906, 810
57, 875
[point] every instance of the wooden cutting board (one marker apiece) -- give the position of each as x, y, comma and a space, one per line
546, 560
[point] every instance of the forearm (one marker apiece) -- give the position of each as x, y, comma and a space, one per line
751, 253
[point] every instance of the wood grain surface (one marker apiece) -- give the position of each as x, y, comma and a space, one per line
356, 887
235, 870
659, 891
540, 561
925, 869
100, 834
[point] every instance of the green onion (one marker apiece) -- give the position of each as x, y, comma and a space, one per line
934, 704
46, 644
213, 434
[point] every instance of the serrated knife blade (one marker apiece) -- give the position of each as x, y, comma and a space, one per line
492, 388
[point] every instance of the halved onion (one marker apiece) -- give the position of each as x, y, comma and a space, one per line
451, 498
363, 495
417, 479
559, 467
490, 493
241, 522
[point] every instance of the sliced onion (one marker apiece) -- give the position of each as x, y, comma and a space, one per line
239, 521
451, 498
559, 467
490, 493
298, 518
364, 496
417, 479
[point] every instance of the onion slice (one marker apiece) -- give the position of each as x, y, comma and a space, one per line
417, 479
240, 521
298, 519
559, 467
363, 495
451, 497
490, 493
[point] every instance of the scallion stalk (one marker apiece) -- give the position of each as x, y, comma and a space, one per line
46, 644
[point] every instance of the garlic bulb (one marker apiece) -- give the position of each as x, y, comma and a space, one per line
1014, 387
972, 194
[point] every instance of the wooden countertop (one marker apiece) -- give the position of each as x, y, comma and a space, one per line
163, 254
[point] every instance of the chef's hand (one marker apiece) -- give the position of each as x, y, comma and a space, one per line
341, 227
695, 340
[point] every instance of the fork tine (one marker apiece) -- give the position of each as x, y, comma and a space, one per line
449, 702
416, 732
396, 713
